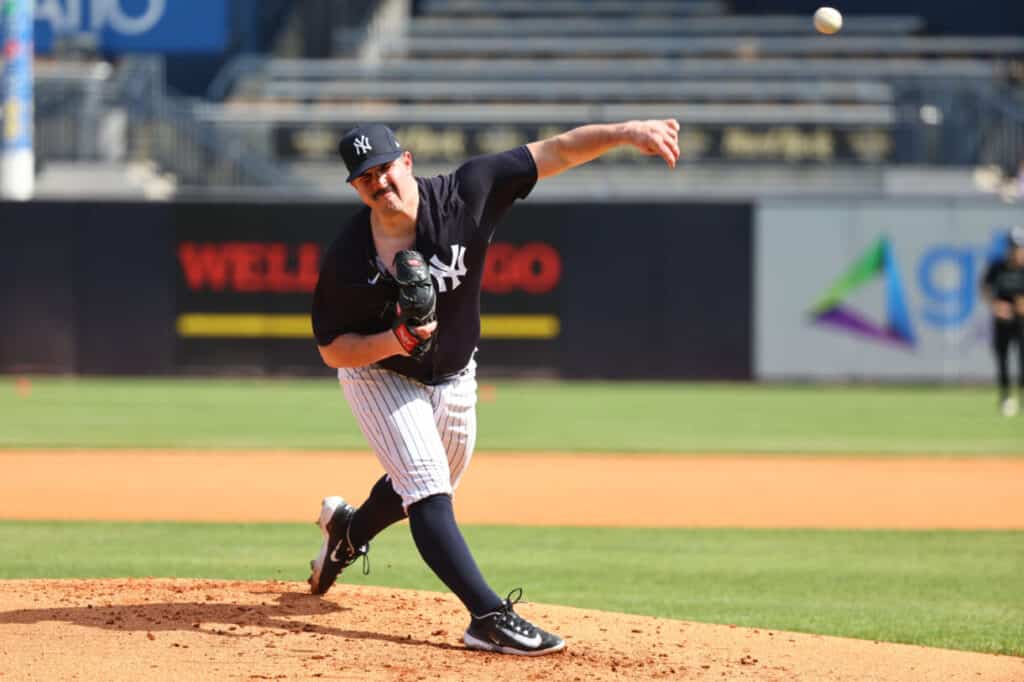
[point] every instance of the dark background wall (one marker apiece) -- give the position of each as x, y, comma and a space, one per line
85, 288
655, 289
644, 291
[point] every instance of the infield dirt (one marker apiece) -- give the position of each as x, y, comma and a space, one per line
205, 630
211, 630
528, 489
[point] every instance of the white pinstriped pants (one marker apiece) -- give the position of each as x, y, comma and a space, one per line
423, 435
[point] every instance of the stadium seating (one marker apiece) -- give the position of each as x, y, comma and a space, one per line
634, 69
467, 76
755, 94
433, 26
738, 46
492, 91
572, 8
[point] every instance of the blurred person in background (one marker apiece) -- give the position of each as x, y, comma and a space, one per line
1003, 289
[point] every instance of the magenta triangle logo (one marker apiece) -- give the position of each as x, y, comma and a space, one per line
876, 262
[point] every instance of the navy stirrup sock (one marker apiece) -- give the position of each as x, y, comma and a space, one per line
432, 521
381, 509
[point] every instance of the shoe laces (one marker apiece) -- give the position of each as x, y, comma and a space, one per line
508, 618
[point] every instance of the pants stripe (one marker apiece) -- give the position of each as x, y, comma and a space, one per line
370, 411
423, 436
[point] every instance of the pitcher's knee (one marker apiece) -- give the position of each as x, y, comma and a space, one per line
420, 494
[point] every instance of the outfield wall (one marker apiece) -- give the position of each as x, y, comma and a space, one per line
809, 289
572, 290
879, 290
86, 288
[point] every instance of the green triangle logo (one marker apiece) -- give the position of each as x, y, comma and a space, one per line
877, 261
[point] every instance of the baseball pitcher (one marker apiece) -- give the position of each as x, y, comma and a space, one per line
397, 311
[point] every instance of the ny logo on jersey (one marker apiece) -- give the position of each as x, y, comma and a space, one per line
454, 270
362, 145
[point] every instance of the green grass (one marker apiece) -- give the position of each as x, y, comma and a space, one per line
962, 590
570, 416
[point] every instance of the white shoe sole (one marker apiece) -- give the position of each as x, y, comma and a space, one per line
1010, 407
327, 509
479, 644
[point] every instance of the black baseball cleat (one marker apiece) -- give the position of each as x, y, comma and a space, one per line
506, 632
336, 552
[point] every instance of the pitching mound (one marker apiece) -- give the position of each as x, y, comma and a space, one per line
187, 629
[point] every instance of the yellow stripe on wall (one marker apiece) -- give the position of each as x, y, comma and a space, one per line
244, 325
519, 326
285, 326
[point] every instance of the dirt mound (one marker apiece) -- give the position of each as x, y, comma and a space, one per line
188, 629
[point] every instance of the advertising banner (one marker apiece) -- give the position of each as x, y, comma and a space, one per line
17, 155
445, 142
246, 275
875, 289
605, 291
163, 26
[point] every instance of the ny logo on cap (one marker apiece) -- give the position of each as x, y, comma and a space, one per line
362, 145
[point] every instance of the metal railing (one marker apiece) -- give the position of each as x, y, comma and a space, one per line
165, 128
71, 112
128, 115
1001, 133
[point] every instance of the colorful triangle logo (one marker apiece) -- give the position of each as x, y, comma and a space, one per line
877, 261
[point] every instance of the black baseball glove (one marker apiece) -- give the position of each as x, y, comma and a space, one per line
417, 301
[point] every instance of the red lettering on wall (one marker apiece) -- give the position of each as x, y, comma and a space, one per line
278, 276
309, 266
204, 266
540, 268
535, 268
250, 267
500, 269
247, 260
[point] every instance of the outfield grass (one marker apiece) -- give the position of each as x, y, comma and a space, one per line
962, 590
569, 416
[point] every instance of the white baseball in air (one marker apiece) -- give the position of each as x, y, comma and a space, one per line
828, 20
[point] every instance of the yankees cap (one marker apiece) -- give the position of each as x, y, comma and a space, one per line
367, 146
